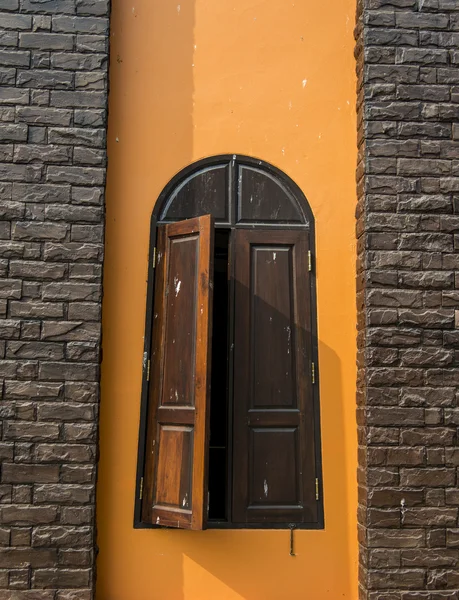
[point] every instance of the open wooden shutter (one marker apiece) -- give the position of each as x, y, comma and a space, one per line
274, 476
175, 486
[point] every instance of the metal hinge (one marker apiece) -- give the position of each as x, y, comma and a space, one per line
317, 488
148, 370
309, 260
154, 258
141, 489
313, 372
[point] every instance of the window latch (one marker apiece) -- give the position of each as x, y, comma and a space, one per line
292, 529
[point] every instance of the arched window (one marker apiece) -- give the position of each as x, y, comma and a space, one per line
229, 427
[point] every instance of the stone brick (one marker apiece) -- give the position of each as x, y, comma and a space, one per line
37, 153
81, 391
72, 24
397, 538
72, 291
80, 432
405, 456
68, 453
389, 497
74, 250
441, 318
429, 558
34, 350
58, 371
395, 416
427, 357
61, 578
18, 172
56, 80
79, 61
77, 136
77, 474
9, 328
28, 515
396, 579
76, 175
77, 515
32, 310
62, 494
23, 230
16, 557
82, 195
452, 538
92, 7
427, 477
13, 58
72, 214
90, 81
37, 115
37, 270
436, 517
70, 331
78, 98
18, 430
13, 133
32, 390
22, 473
67, 411
46, 41
90, 118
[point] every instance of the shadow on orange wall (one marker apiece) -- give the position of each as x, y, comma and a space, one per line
256, 565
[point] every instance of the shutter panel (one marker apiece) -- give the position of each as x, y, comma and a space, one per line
274, 450
175, 490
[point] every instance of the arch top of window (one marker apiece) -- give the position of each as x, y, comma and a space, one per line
239, 191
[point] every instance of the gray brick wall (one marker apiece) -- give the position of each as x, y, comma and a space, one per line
408, 295
53, 102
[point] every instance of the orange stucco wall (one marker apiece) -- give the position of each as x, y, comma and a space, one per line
273, 79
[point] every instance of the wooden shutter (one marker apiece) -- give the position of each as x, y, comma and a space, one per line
175, 490
274, 457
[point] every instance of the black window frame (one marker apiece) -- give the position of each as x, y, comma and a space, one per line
307, 223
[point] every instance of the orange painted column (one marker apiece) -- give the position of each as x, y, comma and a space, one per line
272, 79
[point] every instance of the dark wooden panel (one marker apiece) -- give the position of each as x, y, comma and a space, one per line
271, 318
181, 290
263, 198
178, 421
174, 416
273, 401
269, 418
274, 470
204, 192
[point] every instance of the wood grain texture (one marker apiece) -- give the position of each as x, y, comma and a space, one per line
175, 491
274, 457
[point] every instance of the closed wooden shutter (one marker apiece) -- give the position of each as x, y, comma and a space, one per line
274, 476
175, 490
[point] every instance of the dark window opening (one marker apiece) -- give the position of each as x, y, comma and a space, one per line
219, 405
